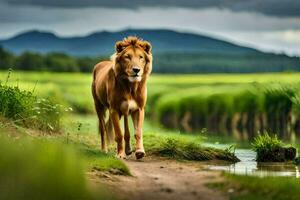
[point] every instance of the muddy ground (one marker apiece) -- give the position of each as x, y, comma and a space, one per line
161, 179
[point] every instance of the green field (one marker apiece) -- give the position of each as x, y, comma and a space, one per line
73, 89
52, 114
210, 100
219, 103
226, 104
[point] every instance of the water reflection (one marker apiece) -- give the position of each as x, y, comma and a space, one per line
248, 166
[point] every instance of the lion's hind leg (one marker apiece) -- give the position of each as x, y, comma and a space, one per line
110, 131
101, 125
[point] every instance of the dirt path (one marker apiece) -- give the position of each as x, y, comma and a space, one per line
160, 179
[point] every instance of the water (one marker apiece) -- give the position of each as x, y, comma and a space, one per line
248, 166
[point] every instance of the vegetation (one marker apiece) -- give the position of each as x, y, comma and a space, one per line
251, 187
32, 169
76, 149
24, 108
58, 62
68, 90
297, 161
271, 149
228, 104
187, 62
224, 63
73, 131
250, 108
65, 156
179, 147
157, 142
88, 148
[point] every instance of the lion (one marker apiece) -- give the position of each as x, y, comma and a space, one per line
119, 86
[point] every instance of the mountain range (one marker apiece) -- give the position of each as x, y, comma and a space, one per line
174, 52
102, 43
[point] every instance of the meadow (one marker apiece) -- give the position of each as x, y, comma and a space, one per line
238, 105
73, 89
51, 117
65, 124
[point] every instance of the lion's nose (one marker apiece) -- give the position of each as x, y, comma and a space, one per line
136, 70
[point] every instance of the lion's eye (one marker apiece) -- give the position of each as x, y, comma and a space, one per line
127, 56
141, 57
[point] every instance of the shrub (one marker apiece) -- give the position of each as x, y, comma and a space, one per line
30, 61
14, 103
25, 109
60, 62
271, 149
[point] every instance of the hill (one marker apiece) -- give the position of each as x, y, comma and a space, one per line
101, 43
174, 52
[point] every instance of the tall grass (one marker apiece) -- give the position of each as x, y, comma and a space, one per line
270, 149
226, 103
25, 109
40, 170
278, 106
252, 109
296, 113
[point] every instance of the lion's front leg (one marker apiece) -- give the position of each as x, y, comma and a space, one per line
118, 134
138, 120
127, 136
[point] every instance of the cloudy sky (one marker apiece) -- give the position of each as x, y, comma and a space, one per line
269, 25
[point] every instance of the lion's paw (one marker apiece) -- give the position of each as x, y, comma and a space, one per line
128, 150
140, 153
121, 155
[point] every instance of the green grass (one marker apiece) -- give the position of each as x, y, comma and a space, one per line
24, 108
39, 169
73, 89
225, 78
266, 142
157, 141
256, 188
224, 109
77, 148
87, 146
109, 163
186, 148
209, 98
269, 148
35, 165
89, 149
69, 90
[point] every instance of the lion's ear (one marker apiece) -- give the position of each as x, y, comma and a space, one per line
146, 46
119, 46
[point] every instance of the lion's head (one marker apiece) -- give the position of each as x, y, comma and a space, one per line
133, 59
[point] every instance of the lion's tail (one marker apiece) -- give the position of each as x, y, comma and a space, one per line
110, 131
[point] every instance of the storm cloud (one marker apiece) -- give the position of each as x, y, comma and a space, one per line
280, 8
269, 25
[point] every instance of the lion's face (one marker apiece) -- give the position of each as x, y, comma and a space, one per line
134, 59
133, 63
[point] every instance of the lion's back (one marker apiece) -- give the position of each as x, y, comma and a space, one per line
101, 77
101, 69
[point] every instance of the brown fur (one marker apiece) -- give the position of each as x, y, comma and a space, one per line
118, 88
